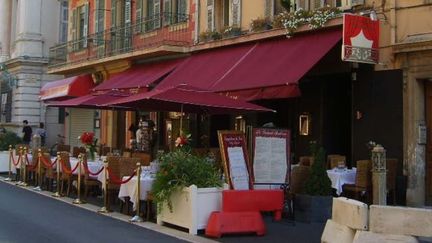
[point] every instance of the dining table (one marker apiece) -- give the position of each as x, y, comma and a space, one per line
341, 176
130, 188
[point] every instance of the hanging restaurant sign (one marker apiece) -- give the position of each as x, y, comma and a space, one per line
360, 41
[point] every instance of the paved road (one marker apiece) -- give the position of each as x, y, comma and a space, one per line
29, 217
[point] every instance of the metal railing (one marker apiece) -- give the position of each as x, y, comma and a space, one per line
146, 33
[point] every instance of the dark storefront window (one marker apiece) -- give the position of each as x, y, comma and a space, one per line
61, 115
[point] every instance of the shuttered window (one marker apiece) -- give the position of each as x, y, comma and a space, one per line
210, 15
139, 16
81, 120
99, 21
236, 13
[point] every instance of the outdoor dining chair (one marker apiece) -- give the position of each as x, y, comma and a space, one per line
333, 160
363, 182
66, 177
87, 180
63, 147
146, 158
306, 160
76, 151
299, 175
127, 167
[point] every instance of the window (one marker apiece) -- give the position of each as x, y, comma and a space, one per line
174, 11
80, 26
63, 21
121, 25
99, 15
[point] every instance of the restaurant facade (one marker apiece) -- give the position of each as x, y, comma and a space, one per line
142, 45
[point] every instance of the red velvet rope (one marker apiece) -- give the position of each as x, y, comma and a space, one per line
17, 161
114, 179
66, 170
30, 166
91, 173
48, 163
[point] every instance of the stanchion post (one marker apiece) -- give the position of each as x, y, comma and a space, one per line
78, 199
39, 171
58, 164
137, 217
19, 182
24, 161
105, 208
10, 164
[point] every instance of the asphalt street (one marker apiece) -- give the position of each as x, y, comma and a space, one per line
29, 217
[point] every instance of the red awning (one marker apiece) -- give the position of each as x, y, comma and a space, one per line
139, 76
94, 100
66, 88
185, 98
264, 70
205, 68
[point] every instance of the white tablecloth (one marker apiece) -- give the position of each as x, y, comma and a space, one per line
339, 177
130, 189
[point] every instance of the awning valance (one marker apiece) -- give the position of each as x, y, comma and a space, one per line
263, 70
67, 88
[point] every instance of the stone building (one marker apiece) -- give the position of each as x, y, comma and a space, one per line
28, 29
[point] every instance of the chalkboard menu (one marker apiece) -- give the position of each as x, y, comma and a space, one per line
235, 159
271, 155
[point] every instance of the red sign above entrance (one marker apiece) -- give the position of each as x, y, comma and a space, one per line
360, 41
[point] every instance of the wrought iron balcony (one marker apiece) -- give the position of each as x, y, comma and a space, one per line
147, 33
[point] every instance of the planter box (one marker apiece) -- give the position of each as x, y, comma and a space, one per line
4, 161
312, 208
192, 207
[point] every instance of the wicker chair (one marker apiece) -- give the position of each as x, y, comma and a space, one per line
334, 159
146, 158
306, 160
31, 172
391, 178
299, 175
49, 172
76, 151
127, 167
65, 177
87, 180
363, 182
115, 168
63, 148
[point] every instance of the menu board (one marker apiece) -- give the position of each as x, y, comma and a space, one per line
271, 155
235, 159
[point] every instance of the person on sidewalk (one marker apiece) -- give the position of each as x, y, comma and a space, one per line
42, 133
27, 130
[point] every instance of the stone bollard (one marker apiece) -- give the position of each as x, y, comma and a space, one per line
379, 174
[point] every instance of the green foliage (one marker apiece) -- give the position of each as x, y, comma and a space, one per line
210, 35
180, 169
318, 184
8, 138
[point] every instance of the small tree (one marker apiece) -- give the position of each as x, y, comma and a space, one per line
8, 138
318, 184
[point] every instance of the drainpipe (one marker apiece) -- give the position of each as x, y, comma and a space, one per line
197, 20
393, 32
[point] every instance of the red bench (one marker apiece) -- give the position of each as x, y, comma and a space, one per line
234, 222
253, 200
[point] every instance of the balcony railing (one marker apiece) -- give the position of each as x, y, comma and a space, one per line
165, 29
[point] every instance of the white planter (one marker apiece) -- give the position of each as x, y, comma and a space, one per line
4, 161
192, 207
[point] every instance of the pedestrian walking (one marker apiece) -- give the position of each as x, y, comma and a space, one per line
27, 130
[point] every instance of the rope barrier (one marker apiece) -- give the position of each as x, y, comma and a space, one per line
17, 161
30, 166
91, 173
48, 164
114, 179
67, 170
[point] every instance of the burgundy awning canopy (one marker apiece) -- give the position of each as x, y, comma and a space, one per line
139, 76
186, 98
67, 88
263, 70
94, 100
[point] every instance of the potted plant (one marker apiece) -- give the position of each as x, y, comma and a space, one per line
6, 138
231, 31
316, 204
187, 189
209, 36
260, 24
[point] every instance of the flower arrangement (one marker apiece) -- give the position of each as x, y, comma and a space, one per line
210, 35
89, 141
260, 24
229, 31
184, 142
316, 18
179, 169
